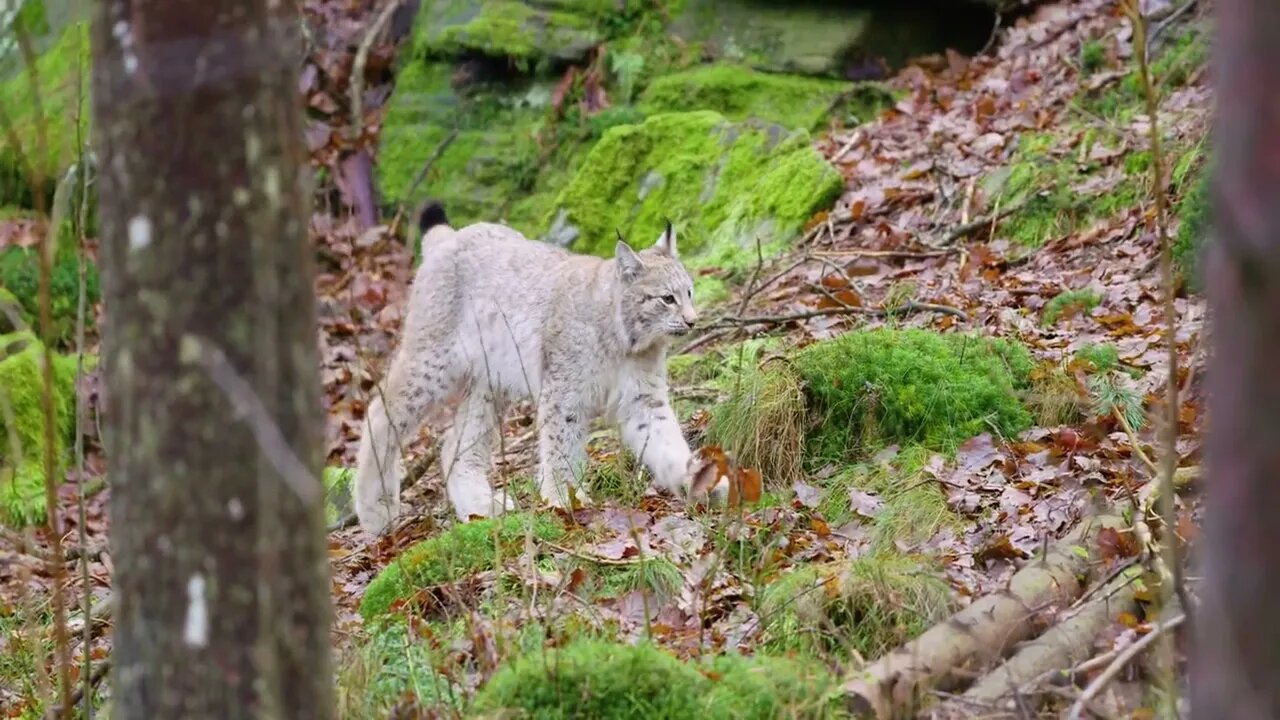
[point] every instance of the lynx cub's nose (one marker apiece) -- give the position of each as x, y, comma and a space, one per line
689, 315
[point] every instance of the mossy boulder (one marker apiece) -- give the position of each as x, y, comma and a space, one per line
738, 92
870, 388
62, 87
723, 184
828, 39
465, 549
22, 441
509, 28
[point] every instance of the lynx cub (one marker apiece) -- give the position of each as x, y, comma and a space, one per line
494, 317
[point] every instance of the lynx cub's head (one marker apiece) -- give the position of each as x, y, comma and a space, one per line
657, 292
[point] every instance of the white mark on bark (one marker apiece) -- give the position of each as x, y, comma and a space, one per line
189, 350
271, 186
235, 508
124, 36
252, 147
139, 232
240, 196
195, 632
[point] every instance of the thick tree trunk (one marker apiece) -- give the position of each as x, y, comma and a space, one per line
209, 346
1237, 652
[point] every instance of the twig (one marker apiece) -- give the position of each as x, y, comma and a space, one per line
431, 160
82, 692
357, 68
596, 558
82, 531
894, 254
1121, 660
843, 310
1133, 440
45, 323
1169, 20
755, 275
1169, 459
978, 224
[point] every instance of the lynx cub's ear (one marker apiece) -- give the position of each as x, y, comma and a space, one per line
629, 263
667, 241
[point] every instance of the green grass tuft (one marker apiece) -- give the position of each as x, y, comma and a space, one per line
870, 606
761, 423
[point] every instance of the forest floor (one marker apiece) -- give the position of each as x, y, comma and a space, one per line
893, 542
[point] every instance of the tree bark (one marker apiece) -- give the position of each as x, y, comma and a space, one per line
209, 352
1237, 633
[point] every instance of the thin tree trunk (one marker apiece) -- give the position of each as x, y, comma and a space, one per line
209, 352
1237, 651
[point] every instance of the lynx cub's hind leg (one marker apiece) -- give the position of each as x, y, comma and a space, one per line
562, 449
465, 455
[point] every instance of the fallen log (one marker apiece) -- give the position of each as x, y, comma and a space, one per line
894, 685
1059, 649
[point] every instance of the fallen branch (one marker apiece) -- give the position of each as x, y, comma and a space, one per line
975, 225
1065, 645
894, 685
843, 310
1122, 659
95, 679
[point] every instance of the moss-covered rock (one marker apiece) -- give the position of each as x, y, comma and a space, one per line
723, 184
22, 442
875, 387
770, 686
61, 84
739, 92
509, 28
466, 548
13, 316
830, 39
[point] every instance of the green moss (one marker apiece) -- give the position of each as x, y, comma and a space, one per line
20, 275
1099, 357
503, 28
1093, 56
22, 476
870, 388
1172, 65
57, 70
466, 548
722, 184
738, 93
1195, 218
767, 686
1068, 304
9, 303
595, 679
337, 492
869, 606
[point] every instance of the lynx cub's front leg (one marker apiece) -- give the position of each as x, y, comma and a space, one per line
652, 433
562, 447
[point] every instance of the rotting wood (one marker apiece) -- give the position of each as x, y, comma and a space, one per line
894, 685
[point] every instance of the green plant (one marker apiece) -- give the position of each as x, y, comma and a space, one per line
761, 422
869, 388
1069, 303
464, 549
626, 68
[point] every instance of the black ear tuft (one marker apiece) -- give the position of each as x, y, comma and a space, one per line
431, 215
619, 233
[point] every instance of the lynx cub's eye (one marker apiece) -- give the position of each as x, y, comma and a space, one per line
669, 299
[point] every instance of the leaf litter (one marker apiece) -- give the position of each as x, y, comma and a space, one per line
912, 177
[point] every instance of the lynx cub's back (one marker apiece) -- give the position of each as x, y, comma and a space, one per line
494, 317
